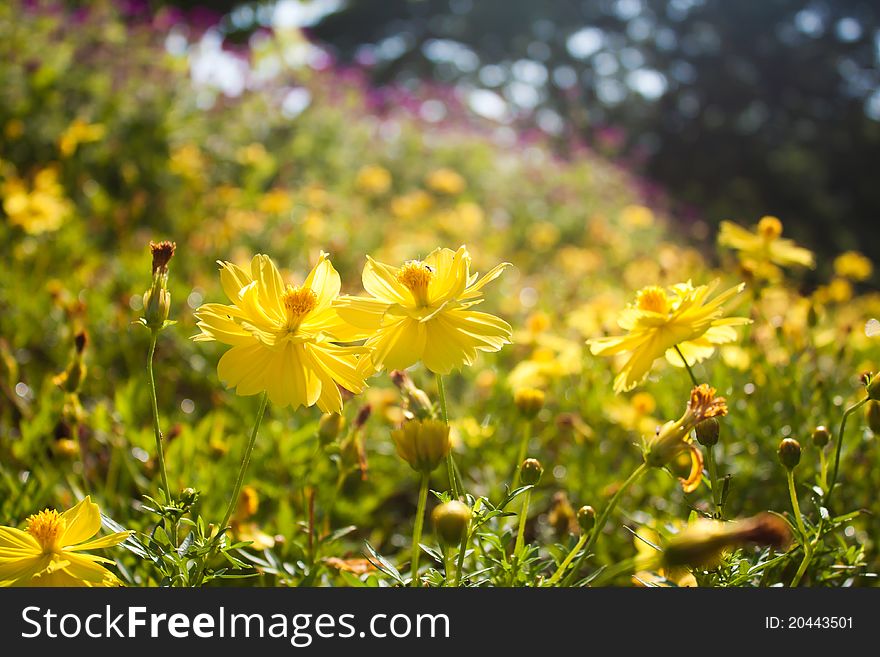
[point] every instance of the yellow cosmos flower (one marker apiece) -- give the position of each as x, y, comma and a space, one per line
283, 337
660, 320
421, 312
50, 550
762, 250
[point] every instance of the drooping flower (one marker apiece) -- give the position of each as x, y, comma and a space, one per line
50, 551
283, 337
673, 438
422, 312
760, 252
661, 320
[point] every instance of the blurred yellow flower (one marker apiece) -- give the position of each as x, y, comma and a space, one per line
445, 181
659, 321
412, 205
762, 250
373, 180
636, 216
854, 266
42, 208
554, 357
421, 312
79, 132
276, 201
187, 161
50, 550
283, 336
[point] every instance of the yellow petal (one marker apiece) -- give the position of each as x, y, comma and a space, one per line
233, 278
380, 280
103, 542
324, 281
398, 345
15, 539
475, 289
270, 285
83, 521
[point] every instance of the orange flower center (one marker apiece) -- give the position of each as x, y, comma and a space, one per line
47, 527
416, 276
704, 404
770, 228
653, 299
298, 302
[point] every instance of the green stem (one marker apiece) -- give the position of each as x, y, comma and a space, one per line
687, 366
448, 564
603, 518
156, 431
852, 409
417, 530
462, 551
795, 505
521, 455
568, 559
808, 548
441, 393
523, 516
245, 461
713, 477
823, 470
454, 483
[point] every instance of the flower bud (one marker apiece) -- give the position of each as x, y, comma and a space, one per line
708, 432
789, 453
586, 518
157, 300
188, 496
329, 427
872, 415
422, 443
821, 436
531, 471
529, 401
451, 521
415, 399
157, 304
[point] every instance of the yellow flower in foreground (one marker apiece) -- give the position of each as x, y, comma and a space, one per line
50, 551
660, 320
762, 250
283, 336
421, 312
